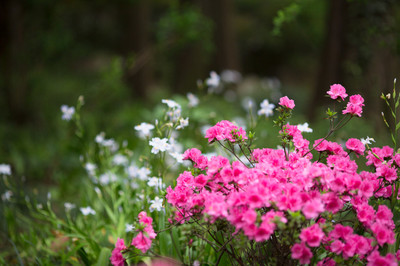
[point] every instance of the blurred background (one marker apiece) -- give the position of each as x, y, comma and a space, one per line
124, 56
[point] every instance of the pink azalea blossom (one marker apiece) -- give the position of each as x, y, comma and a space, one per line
312, 235
116, 257
355, 145
286, 102
141, 242
302, 253
337, 90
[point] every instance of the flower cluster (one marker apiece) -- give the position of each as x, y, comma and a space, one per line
225, 130
291, 195
141, 241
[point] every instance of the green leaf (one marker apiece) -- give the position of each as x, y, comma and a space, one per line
397, 126
104, 257
394, 140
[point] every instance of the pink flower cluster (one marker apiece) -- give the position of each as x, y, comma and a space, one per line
116, 257
286, 102
142, 241
336, 91
225, 130
355, 104
255, 200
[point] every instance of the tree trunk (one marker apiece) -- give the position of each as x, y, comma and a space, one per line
13, 68
331, 58
136, 21
222, 12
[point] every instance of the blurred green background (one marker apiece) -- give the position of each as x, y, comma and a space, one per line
123, 56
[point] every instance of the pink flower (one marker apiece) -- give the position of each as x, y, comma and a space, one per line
313, 208
116, 257
302, 253
312, 235
355, 145
354, 106
337, 90
375, 259
141, 242
225, 130
286, 102
383, 234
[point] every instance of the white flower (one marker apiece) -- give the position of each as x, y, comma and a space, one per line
266, 108
143, 173
91, 168
132, 170
97, 190
129, 228
231, 76
159, 145
5, 169
368, 140
248, 103
155, 182
174, 114
304, 128
183, 123
67, 111
214, 80
193, 100
87, 210
69, 206
156, 204
196, 263
178, 156
100, 138
144, 129
7, 195
106, 178
171, 104
120, 159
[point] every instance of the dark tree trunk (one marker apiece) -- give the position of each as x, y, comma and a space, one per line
332, 55
222, 12
135, 18
13, 68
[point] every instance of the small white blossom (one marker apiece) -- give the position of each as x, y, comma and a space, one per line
100, 138
183, 123
304, 128
231, 76
159, 145
177, 156
214, 80
97, 190
155, 182
87, 210
367, 140
266, 108
67, 111
196, 263
7, 195
39, 206
144, 129
156, 204
48, 196
193, 100
120, 159
129, 228
91, 168
171, 104
143, 173
5, 169
69, 206
107, 178
174, 114
248, 103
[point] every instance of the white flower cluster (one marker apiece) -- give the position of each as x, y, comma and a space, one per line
67, 112
5, 169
